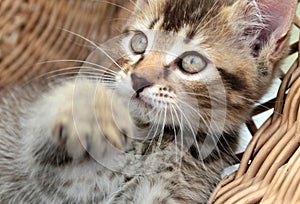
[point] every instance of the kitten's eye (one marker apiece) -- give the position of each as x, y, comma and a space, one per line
192, 63
139, 43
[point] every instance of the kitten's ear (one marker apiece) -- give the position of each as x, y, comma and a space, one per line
266, 22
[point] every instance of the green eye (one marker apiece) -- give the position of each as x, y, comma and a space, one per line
139, 43
192, 63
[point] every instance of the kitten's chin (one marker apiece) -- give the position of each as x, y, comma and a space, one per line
141, 111
142, 104
156, 114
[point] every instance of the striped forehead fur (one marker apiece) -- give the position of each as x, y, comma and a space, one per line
193, 16
173, 15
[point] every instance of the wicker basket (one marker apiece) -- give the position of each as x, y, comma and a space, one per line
34, 31
269, 171
30, 33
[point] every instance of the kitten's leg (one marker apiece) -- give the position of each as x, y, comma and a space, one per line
79, 118
44, 136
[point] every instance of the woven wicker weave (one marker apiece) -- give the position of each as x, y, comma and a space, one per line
270, 168
30, 32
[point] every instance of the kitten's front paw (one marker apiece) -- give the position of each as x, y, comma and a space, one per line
91, 121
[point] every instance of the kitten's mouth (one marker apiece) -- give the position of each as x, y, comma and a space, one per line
142, 102
153, 105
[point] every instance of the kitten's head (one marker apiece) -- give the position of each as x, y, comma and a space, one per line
202, 63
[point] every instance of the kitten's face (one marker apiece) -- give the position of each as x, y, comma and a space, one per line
198, 63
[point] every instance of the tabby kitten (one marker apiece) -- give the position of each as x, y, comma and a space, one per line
162, 123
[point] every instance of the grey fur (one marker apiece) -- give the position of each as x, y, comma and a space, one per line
79, 142
27, 178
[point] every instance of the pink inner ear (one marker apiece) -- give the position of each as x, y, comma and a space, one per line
281, 14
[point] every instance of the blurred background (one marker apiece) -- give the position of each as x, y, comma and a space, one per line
33, 32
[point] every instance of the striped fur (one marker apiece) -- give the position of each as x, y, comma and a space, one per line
161, 135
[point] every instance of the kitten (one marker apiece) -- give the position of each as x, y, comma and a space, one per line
162, 124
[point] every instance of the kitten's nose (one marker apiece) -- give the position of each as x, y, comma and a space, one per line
139, 83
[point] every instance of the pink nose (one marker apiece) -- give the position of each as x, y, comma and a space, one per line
139, 83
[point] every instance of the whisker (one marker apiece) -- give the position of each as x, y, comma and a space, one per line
78, 61
100, 74
155, 122
74, 74
173, 123
152, 123
215, 140
174, 129
259, 104
208, 97
162, 128
181, 129
210, 131
190, 127
158, 121
195, 111
91, 78
149, 132
93, 71
90, 74
157, 127
96, 46
181, 137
